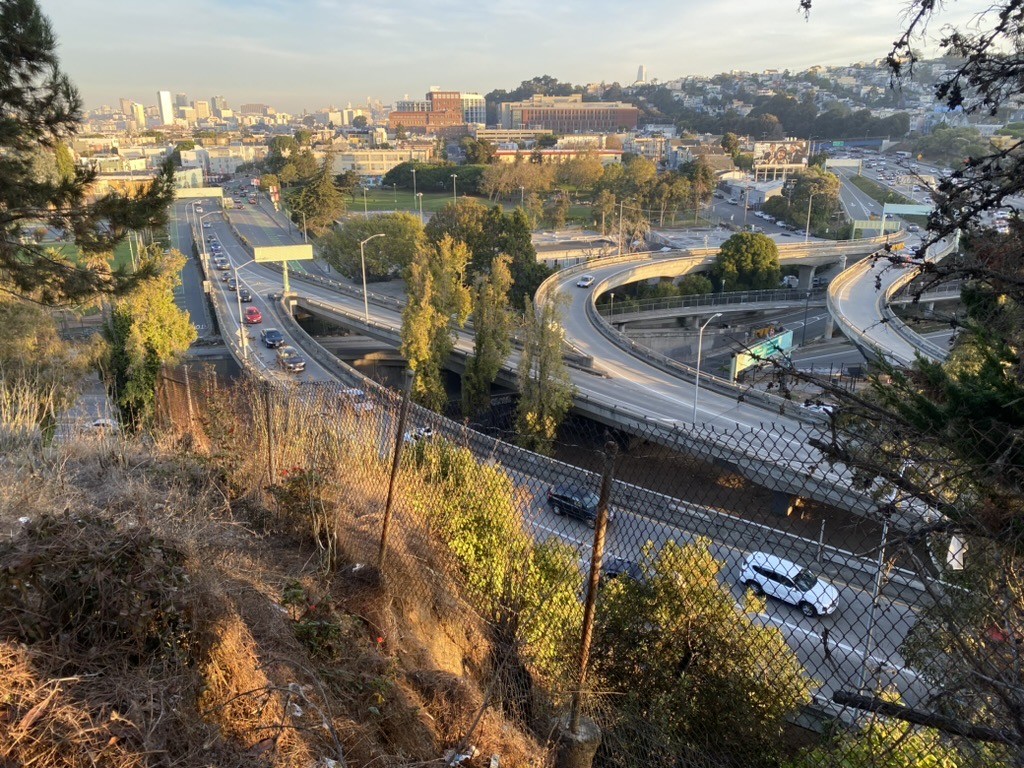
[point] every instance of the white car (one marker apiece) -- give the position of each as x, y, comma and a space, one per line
419, 434
784, 580
586, 281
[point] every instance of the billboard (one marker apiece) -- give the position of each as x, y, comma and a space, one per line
788, 152
262, 254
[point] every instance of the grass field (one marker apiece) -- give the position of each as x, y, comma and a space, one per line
122, 254
404, 200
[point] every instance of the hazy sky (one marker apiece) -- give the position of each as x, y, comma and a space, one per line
304, 54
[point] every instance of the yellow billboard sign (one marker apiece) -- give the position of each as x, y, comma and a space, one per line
266, 253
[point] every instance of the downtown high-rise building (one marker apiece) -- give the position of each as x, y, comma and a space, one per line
202, 109
138, 114
126, 106
180, 100
217, 103
166, 107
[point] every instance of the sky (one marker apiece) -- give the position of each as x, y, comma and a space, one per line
307, 54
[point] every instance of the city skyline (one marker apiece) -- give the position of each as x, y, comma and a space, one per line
311, 53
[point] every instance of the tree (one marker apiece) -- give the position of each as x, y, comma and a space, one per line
478, 151
319, 203
386, 257
689, 665
147, 331
545, 389
695, 285
438, 301
730, 143
303, 137
604, 206
305, 165
269, 181
40, 109
517, 243
556, 209
747, 261
580, 173
492, 342
359, 122
179, 148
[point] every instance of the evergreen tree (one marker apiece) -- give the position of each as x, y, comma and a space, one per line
40, 109
320, 200
545, 389
492, 327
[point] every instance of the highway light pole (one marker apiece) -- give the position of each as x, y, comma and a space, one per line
414, 186
419, 197
611, 307
807, 231
522, 197
455, 196
362, 261
696, 379
243, 337
366, 213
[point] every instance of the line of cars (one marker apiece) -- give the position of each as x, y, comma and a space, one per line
287, 356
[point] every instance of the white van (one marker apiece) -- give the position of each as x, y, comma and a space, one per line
770, 575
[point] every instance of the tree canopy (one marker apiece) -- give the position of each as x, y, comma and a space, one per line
386, 257
40, 109
747, 261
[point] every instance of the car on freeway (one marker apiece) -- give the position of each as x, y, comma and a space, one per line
199, 209
245, 296
232, 283
913, 228
586, 281
253, 316
420, 434
613, 567
575, 501
207, 225
272, 338
784, 580
222, 265
288, 358
816, 406
356, 399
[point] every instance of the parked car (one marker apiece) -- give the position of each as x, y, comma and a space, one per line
784, 580
586, 281
253, 316
245, 296
272, 337
575, 501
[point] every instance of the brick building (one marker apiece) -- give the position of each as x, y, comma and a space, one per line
569, 114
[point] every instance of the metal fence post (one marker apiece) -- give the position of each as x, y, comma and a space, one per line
593, 582
403, 415
268, 407
188, 397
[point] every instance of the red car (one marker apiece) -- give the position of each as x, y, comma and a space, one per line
253, 316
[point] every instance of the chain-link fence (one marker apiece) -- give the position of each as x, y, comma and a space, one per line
736, 616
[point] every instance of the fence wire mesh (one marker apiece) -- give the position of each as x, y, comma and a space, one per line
758, 603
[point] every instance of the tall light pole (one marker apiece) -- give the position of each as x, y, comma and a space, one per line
305, 239
700, 348
414, 186
611, 301
243, 337
455, 196
362, 261
394, 188
522, 197
419, 197
366, 213
807, 231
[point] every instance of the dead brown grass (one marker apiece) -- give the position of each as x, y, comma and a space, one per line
143, 620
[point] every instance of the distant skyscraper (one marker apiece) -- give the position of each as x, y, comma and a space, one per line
202, 109
126, 106
138, 114
641, 74
166, 106
180, 100
218, 103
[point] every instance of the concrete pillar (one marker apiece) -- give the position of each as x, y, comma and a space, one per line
842, 262
782, 503
830, 327
576, 750
806, 277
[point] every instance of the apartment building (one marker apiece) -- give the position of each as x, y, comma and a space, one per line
569, 114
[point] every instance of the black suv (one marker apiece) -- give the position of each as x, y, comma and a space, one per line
272, 337
576, 502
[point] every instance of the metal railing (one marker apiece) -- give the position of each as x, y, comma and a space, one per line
633, 306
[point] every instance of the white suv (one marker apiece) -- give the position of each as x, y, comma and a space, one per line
770, 575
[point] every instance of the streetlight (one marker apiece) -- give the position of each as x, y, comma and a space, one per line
366, 214
414, 184
611, 308
455, 196
696, 379
199, 228
807, 231
522, 196
362, 260
419, 196
242, 335
394, 188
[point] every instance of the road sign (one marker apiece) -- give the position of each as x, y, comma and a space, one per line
758, 353
282, 253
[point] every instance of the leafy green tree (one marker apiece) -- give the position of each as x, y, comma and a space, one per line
695, 285
690, 666
303, 137
952, 144
556, 210
478, 151
147, 331
492, 328
268, 181
604, 206
39, 110
385, 256
400, 133
437, 303
179, 148
305, 165
747, 261
320, 201
545, 389
517, 243
580, 174
730, 142
359, 122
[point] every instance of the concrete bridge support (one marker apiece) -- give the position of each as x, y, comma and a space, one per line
783, 503
806, 277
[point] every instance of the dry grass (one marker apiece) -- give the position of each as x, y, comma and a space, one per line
143, 618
